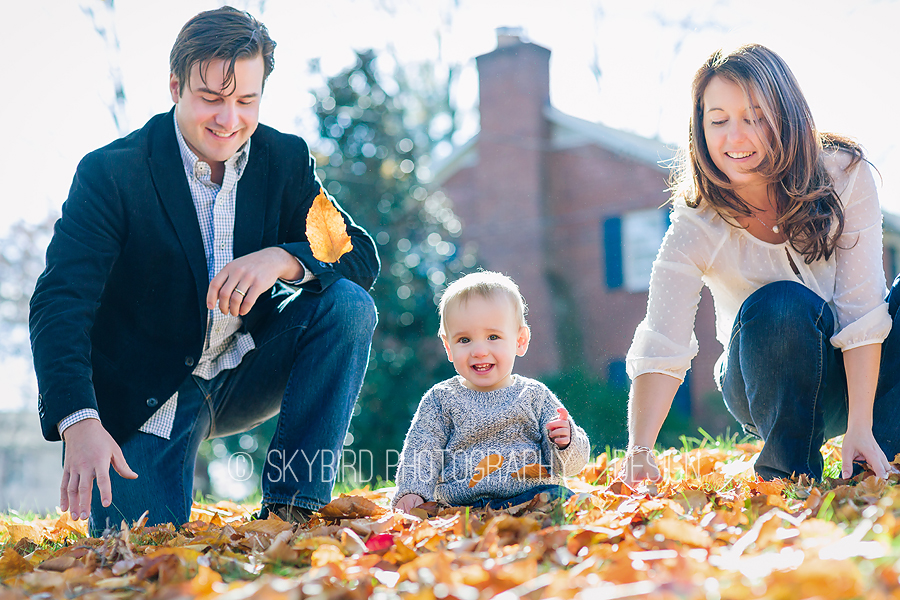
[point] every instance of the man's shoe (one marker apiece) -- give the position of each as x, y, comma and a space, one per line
286, 512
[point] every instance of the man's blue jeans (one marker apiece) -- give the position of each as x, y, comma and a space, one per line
308, 366
785, 382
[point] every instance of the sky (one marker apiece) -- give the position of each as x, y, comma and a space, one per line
56, 69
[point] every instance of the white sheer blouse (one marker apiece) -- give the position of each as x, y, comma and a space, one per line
701, 248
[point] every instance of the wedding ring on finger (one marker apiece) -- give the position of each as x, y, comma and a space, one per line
240, 292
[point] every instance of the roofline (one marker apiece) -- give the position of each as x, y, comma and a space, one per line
446, 168
632, 145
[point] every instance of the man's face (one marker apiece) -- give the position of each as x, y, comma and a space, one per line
216, 122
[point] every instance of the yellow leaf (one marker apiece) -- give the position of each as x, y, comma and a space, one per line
203, 585
534, 471
12, 564
325, 554
678, 531
488, 465
326, 230
18, 532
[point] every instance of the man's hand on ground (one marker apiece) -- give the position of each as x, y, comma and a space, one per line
238, 285
89, 452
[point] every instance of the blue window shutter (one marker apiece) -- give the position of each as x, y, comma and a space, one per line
682, 400
616, 375
892, 263
612, 251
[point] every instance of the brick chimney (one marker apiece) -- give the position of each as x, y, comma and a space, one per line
506, 214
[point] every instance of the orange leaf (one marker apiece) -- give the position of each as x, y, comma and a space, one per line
351, 507
488, 465
326, 553
272, 526
12, 563
678, 531
19, 532
534, 471
326, 230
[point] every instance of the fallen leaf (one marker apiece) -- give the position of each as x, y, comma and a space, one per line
11, 563
351, 507
379, 543
60, 563
488, 465
533, 470
19, 532
679, 531
326, 230
272, 526
325, 554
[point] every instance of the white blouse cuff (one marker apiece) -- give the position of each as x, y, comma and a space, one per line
871, 328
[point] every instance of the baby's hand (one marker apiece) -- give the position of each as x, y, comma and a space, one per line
559, 430
409, 502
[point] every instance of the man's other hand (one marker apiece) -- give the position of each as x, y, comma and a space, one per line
238, 285
89, 452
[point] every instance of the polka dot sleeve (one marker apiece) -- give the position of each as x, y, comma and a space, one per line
664, 342
859, 285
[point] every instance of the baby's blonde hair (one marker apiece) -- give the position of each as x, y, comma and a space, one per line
486, 284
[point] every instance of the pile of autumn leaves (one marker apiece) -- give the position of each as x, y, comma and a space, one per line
709, 530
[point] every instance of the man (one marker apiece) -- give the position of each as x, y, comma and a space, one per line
163, 318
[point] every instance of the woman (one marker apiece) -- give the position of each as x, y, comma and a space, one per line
783, 224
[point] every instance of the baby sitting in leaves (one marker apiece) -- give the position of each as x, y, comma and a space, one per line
487, 437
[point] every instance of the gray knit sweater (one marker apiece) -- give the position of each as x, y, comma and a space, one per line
455, 428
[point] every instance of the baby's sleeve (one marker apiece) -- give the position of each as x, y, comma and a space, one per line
421, 460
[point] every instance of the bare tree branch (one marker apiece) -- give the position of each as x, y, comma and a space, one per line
102, 14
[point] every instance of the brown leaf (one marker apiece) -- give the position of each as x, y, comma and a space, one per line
60, 563
366, 527
351, 507
11, 563
488, 465
534, 471
271, 526
280, 550
326, 230
872, 486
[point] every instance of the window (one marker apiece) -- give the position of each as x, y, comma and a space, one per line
630, 243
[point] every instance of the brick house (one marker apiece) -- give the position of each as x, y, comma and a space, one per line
573, 211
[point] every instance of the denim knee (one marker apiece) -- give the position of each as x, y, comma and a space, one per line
342, 303
785, 307
349, 303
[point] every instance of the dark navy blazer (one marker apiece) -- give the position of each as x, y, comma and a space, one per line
118, 318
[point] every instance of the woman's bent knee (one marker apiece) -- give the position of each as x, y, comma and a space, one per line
785, 307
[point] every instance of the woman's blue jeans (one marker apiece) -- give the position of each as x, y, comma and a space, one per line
785, 382
308, 366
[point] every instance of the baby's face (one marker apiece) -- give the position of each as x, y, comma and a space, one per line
483, 340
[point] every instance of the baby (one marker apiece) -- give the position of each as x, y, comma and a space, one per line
487, 438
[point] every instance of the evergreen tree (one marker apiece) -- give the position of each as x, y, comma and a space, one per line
373, 148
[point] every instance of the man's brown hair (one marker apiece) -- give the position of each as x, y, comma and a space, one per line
224, 33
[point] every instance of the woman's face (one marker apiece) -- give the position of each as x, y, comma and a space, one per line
732, 136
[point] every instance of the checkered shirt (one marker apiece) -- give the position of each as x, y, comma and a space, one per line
225, 345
